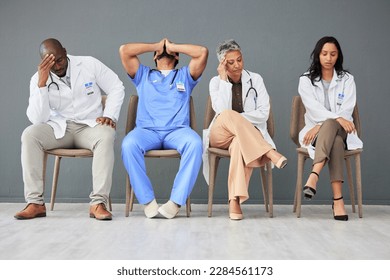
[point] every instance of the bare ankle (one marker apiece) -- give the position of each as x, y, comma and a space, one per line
312, 180
234, 205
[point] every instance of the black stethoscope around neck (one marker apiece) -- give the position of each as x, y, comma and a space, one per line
52, 83
54, 87
173, 78
251, 88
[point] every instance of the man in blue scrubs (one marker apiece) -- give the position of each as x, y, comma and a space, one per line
163, 119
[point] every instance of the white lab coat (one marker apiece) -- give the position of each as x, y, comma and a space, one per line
342, 99
255, 110
81, 103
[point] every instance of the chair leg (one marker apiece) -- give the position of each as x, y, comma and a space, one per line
131, 198
359, 185
188, 207
296, 190
128, 190
264, 188
57, 163
298, 187
270, 190
44, 170
350, 184
213, 165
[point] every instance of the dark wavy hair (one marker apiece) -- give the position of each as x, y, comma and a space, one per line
315, 70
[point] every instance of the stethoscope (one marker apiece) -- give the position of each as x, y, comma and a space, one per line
251, 88
173, 79
54, 86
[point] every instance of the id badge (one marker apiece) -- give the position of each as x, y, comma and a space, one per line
89, 88
340, 98
180, 87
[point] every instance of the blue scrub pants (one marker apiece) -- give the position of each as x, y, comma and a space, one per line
183, 139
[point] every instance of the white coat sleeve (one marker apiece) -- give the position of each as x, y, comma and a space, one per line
260, 114
110, 83
38, 110
314, 109
221, 94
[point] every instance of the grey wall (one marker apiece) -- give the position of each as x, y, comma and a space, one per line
276, 36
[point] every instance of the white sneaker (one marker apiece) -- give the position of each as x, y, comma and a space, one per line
151, 209
169, 210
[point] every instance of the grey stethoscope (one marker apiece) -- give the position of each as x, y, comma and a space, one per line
251, 88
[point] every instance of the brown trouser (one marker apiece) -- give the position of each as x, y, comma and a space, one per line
247, 148
330, 146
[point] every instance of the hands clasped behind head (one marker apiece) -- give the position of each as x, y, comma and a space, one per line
165, 54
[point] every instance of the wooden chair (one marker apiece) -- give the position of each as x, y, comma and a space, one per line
130, 125
67, 153
297, 122
215, 154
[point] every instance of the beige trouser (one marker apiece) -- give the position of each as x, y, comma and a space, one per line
39, 137
247, 149
330, 146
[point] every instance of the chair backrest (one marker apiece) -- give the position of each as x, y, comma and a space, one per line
297, 120
132, 113
209, 115
356, 120
104, 98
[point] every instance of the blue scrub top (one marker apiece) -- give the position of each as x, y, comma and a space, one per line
163, 101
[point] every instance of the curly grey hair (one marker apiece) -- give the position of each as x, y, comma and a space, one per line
226, 46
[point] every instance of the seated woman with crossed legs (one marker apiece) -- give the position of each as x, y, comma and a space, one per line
241, 103
329, 95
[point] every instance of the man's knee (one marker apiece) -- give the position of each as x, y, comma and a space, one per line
194, 143
198, 146
27, 135
129, 143
107, 134
32, 133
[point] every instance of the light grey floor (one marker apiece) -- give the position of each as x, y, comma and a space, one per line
69, 233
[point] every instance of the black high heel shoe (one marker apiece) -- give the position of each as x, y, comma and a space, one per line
308, 191
339, 217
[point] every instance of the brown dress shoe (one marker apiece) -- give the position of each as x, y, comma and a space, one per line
99, 212
31, 211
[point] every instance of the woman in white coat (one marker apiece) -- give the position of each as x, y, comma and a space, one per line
329, 95
241, 103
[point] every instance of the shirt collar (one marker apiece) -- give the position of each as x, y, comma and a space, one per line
233, 83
